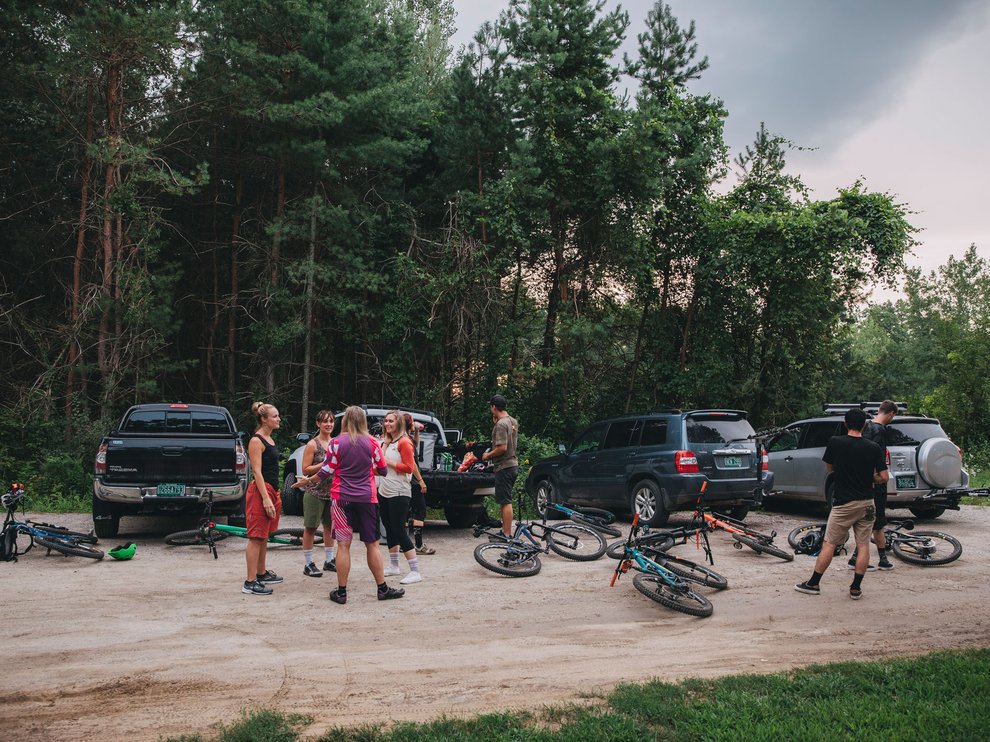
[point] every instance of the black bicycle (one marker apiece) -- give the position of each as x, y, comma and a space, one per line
924, 548
518, 555
45, 535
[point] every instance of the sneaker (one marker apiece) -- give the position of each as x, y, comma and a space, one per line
855, 593
256, 588
804, 587
390, 593
269, 578
330, 566
338, 597
884, 563
411, 579
311, 570
869, 567
391, 571
425, 550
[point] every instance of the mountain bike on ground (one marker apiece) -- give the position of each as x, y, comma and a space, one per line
209, 532
18, 537
924, 548
596, 518
656, 546
659, 582
741, 533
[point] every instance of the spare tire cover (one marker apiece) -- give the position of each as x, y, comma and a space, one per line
939, 463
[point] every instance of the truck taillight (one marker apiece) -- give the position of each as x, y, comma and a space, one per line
686, 462
101, 459
240, 458
765, 460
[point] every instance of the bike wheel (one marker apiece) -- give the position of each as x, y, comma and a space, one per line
763, 547
577, 542
660, 541
927, 548
59, 532
598, 524
681, 598
69, 547
689, 570
193, 538
507, 559
795, 536
294, 536
607, 517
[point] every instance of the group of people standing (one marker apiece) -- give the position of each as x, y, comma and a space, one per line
351, 483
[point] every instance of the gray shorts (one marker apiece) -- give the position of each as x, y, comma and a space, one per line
504, 481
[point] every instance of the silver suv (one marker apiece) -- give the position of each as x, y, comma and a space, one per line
924, 464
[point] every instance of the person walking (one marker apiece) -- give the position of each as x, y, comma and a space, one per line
417, 508
858, 464
395, 495
316, 498
353, 458
262, 503
505, 433
876, 430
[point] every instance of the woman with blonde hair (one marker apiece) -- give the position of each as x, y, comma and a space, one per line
395, 496
353, 458
262, 503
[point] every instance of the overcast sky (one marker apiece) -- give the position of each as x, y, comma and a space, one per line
892, 92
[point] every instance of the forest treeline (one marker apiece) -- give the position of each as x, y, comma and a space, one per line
320, 202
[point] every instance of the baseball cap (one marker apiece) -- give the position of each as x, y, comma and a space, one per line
498, 401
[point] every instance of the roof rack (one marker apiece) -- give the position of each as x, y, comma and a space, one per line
840, 408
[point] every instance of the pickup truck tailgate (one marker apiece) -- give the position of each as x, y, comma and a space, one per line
193, 461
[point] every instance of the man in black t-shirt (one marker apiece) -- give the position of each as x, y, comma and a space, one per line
858, 464
876, 430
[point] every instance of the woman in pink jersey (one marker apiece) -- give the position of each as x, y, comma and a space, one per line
353, 460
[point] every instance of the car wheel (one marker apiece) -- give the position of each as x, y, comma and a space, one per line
107, 527
291, 498
739, 512
647, 502
544, 497
922, 513
462, 516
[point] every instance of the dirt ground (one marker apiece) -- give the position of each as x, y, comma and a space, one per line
167, 644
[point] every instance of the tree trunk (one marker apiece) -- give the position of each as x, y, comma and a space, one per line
638, 352
274, 264
308, 341
235, 236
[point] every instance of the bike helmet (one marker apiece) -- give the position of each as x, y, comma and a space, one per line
124, 551
810, 543
13, 496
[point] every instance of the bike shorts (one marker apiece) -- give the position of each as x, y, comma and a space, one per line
315, 511
259, 525
356, 517
880, 503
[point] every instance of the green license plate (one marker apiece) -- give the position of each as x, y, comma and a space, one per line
905, 483
171, 490
731, 462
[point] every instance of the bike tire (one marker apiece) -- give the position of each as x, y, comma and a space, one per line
763, 548
596, 523
580, 543
689, 570
69, 547
295, 536
914, 554
60, 532
507, 560
795, 536
196, 537
683, 599
660, 541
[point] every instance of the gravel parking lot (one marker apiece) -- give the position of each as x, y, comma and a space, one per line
167, 644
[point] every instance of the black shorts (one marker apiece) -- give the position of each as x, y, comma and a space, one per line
880, 501
417, 508
504, 481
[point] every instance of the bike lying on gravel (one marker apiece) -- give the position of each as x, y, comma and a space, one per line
658, 581
656, 546
209, 532
741, 533
45, 535
518, 555
924, 548
600, 520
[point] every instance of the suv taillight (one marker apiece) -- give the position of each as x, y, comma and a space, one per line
101, 459
686, 462
240, 458
765, 460
888, 458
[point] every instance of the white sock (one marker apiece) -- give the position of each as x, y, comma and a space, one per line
414, 564
307, 556
331, 552
394, 558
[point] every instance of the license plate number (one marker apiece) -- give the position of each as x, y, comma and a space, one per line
732, 462
905, 483
171, 490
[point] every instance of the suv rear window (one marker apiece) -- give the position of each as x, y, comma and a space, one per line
718, 429
912, 433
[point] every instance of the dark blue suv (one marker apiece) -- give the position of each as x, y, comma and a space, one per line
655, 463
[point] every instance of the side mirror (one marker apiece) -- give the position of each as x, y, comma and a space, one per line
561, 448
452, 435
303, 438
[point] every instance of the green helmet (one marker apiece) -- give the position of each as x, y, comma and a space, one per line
124, 551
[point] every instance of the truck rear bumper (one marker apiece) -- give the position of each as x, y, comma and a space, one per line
144, 498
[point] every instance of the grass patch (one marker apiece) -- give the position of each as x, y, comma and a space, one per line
939, 696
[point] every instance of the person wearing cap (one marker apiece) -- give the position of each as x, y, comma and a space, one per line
503, 454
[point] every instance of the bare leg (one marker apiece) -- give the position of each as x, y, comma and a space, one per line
507, 519
309, 536
343, 562
263, 556
253, 554
374, 562
862, 557
825, 557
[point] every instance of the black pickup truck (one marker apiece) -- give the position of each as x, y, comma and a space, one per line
165, 458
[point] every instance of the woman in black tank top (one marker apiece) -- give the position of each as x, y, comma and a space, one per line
262, 503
